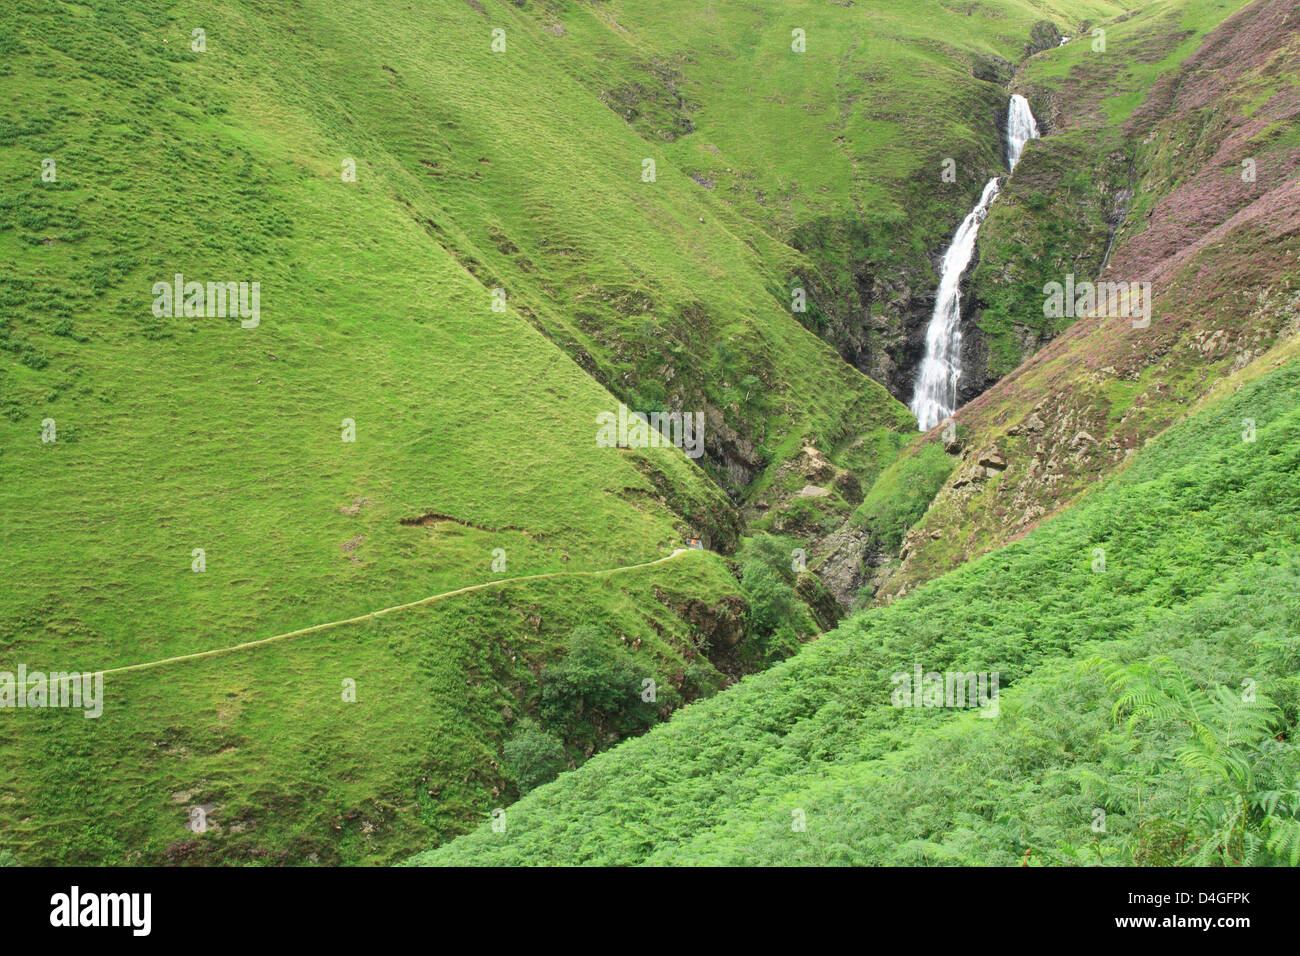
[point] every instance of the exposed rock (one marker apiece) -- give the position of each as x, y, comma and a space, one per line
813, 491
843, 572
987, 464
721, 625
1043, 35
874, 317
992, 69
731, 451
847, 484
815, 466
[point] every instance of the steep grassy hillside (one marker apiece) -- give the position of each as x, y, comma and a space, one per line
474, 456
1097, 96
836, 151
1188, 555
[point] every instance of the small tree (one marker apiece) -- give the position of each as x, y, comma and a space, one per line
772, 602
771, 550
598, 678
532, 756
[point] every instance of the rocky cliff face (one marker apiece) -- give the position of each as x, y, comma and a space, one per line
810, 499
894, 311
1044, 35
872, 311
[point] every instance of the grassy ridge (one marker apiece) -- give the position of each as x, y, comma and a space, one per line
1201, 511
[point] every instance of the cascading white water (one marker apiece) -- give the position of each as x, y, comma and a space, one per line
935, 395
1021, 128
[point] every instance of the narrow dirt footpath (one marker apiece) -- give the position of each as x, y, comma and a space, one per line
431, 599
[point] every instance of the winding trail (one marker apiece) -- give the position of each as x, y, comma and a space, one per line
431, 599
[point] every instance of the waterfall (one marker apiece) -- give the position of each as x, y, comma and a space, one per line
1021, 128
935, 395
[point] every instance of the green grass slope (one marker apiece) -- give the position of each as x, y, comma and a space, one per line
537, 188
473, 433
1198, 537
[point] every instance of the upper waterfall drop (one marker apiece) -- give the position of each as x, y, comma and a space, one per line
934, 396
1021, 128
